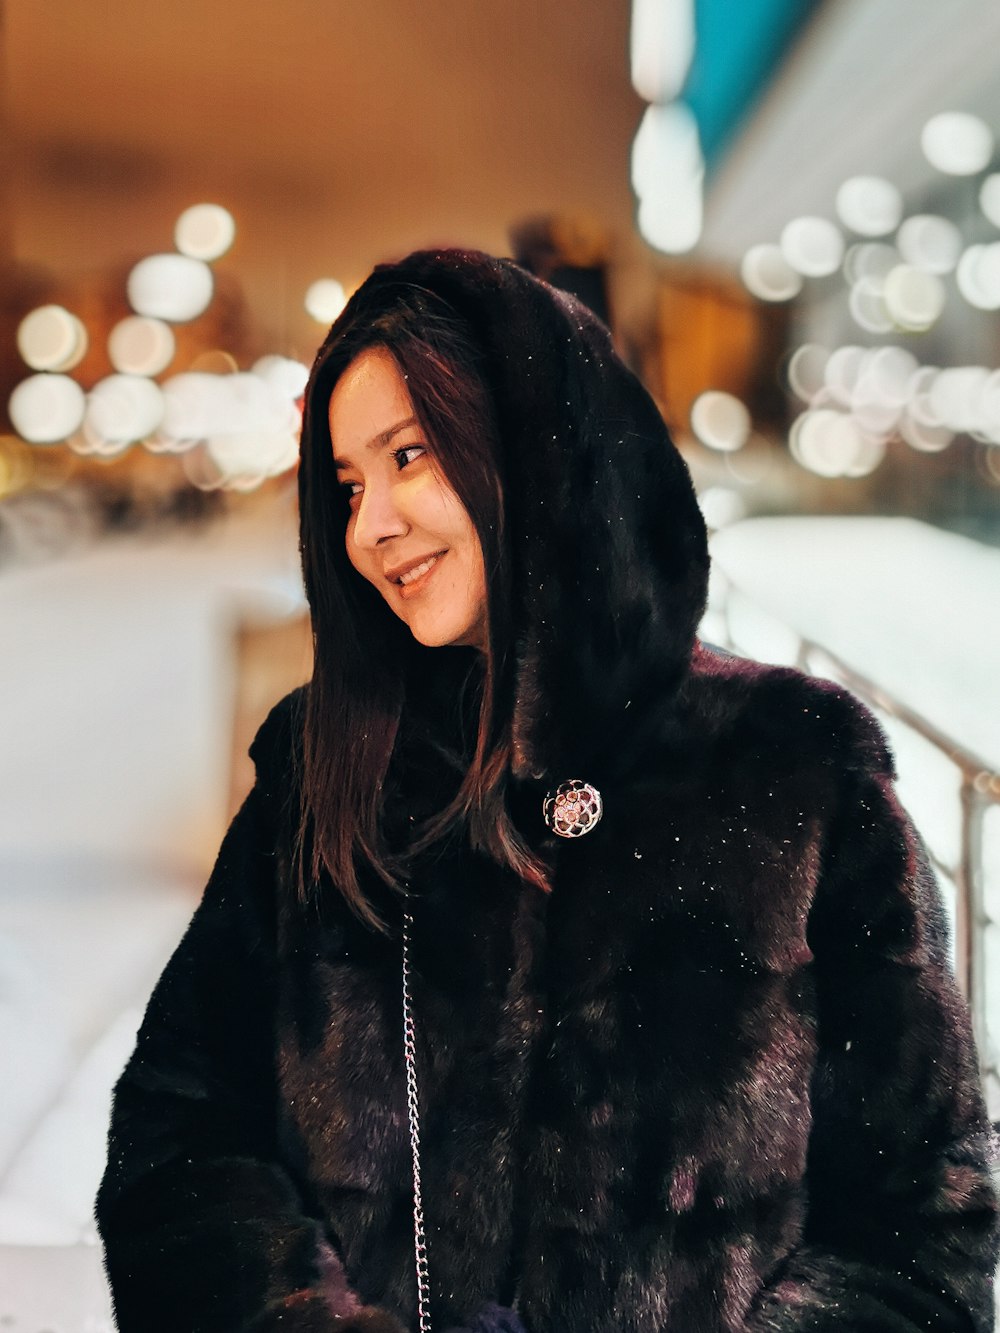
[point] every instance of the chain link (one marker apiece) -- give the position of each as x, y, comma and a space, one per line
413, 1113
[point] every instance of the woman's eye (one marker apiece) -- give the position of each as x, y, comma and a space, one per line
402, 457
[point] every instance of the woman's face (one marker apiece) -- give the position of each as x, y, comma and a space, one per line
408, 533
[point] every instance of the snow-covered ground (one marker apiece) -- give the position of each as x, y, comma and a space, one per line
116, 712
116, 695
911, 606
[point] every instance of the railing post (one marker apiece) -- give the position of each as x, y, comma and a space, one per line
979, 790
967, 881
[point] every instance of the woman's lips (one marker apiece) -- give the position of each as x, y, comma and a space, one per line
408, 590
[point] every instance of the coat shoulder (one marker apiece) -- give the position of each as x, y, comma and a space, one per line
783, 710
276, 751
277, 744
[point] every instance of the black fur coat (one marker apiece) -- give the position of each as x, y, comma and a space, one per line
719, 1079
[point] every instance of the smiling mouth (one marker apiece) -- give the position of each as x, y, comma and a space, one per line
414, 579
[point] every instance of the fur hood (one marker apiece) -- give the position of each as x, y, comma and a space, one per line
608, 546
720, 1080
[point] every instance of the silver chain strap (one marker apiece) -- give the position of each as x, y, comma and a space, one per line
413, 1113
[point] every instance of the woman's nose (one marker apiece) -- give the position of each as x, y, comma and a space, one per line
377, 517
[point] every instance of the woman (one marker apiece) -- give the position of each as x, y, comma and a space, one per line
683, 1050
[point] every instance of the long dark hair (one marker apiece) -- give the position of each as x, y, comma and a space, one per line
365, 659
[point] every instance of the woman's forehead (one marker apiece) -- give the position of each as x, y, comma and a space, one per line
369, 403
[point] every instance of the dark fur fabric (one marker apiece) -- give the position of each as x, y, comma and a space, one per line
720, 1079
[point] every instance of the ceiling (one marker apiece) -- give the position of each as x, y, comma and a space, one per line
337, 133
851, 99
342, 133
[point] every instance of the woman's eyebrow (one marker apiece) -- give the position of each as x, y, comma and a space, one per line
380, 440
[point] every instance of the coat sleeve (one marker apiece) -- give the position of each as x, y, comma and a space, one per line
901, 1228
203, 1228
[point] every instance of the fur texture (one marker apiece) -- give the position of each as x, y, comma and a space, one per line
719, 1080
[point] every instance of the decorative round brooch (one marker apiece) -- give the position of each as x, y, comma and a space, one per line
573, 809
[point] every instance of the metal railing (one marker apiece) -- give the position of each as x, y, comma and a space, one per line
979, 790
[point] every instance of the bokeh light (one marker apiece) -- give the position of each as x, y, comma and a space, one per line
88, 444
876, 418
171, 287
919, 406
885, 391
204, 231
245, 458
869, 452
867, 305
989, 407
843, 371
955, 396
870, 259
141, 346
661, 45
869, 205
925, 438
325, 299
50, 338
721, 505
285, 376
46, 409
930, 243
880, 389
889, 372
957, 143
720, 420
667, 171
194, 407
989, 198
806, 369
767, 274
913, 298
122, 409
215, 361
988, 274
672, 223
666, 140
201, 470
813, 246
234, 430
978, 276
832, 444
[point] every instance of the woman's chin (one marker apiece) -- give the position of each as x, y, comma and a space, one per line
447, 636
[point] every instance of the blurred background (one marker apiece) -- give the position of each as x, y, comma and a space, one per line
787, 210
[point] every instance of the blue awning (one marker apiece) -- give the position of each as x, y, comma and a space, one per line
739, 45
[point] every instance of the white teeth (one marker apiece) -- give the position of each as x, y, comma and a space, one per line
420, 569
